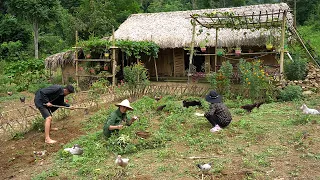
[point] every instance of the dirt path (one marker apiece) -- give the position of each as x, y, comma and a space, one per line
17, 160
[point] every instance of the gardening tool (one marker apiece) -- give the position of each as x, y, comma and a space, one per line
85, 108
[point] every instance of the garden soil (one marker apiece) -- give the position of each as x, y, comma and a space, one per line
17, 159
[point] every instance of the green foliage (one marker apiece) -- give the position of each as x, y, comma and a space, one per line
11, 51
290, 93
136, 74
38, 124
34, 87
297, 69
97, 47
51, 44
13, 30
221, 80
35, 11
136, 48
25, 73
253, 78
98, 88
298, 119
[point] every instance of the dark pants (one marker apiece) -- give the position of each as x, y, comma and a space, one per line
46, 112
214, 120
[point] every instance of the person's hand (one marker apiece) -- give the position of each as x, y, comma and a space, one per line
71, 107
49, 104
120, 126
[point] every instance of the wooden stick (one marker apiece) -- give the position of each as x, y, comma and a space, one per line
194, 157
67, 107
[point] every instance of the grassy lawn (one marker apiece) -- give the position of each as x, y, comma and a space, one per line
275, 141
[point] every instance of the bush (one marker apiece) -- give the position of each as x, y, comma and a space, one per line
25, 73
136, 74
253, 79
12, 51
221, 80
38, 124
291, 93
295, 70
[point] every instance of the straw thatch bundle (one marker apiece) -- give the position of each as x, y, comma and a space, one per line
60, 60
174, 30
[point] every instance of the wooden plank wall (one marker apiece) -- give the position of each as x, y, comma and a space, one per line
178, 62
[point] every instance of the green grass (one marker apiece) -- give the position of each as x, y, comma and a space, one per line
266, 144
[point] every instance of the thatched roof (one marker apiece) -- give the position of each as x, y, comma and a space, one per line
59, 60
173, 29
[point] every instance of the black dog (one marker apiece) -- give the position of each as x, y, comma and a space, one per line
191, 103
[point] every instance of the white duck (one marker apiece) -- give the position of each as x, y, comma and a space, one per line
75, 150
123, 162
307, 110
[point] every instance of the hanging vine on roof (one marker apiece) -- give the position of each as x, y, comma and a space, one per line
131, 48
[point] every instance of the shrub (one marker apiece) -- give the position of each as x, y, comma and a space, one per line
51, 44
253, 79
290, 93
25, 73
38, 124
11, 51
295, 70
136, 74
221, 80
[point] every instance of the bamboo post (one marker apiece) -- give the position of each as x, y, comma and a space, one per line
122, 61
215, 52
283, 28
191, 47
76, 58
114, 65
155, 67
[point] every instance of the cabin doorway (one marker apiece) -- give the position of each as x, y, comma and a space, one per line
198, 63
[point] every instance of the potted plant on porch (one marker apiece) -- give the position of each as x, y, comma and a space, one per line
202, 45
269, 45
237, 51
220, 51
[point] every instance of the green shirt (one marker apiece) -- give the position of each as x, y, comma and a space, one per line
115, 118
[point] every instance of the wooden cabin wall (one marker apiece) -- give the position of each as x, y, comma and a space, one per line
164, 63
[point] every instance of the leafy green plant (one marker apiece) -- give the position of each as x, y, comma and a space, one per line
221, 80
38, 124
25, 73
136, 74
97, 47
253, 79
98, 88
290, 93
11, 51
296, 69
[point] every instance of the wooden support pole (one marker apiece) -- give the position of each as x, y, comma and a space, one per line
114, 63
215, 51
155, 67
76, 58
122, 61
283, 29
191, 47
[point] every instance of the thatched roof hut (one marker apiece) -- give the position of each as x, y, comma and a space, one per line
60, 60
174, 30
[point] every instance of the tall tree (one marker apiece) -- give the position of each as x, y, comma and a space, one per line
36, 12
12, 30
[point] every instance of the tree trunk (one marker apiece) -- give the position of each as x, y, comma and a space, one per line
36, 39
194, 4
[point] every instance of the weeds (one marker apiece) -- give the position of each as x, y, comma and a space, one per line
252, 141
